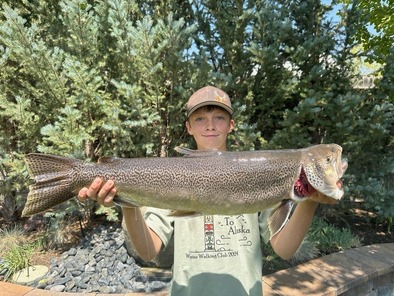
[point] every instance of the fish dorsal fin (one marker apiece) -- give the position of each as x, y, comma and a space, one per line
108, 159
197, 153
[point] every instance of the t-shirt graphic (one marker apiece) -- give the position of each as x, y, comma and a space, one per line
222, 236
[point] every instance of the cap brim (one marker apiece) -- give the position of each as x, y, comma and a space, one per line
210, 103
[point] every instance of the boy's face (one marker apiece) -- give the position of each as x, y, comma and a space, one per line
210, 128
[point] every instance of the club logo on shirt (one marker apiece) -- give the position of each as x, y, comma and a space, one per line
223, 236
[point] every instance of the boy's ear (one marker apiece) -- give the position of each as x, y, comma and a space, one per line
188, 127
232, 124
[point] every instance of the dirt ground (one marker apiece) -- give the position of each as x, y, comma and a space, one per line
366, 226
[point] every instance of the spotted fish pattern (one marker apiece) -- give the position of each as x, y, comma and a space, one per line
205, 182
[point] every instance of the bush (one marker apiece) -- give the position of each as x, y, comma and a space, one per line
330, 239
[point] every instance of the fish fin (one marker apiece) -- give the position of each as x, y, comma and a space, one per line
124, 202
53, 182
197, 153
184, 214
108, 159
279, 216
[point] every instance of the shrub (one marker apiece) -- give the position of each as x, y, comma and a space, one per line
330, 239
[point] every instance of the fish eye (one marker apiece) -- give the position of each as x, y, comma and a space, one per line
328, 159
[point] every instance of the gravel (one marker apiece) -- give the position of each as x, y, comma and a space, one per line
101, 264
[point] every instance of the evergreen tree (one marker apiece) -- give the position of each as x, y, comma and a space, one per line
372, 145
301, 72
93, 78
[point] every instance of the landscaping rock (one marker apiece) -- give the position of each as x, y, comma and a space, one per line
100, 263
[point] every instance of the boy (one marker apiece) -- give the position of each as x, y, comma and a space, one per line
213, 255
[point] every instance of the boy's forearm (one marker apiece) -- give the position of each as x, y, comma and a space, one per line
286, 242
145, 241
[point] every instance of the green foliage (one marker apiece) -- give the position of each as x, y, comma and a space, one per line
94, 78
80, 95
330, 239
309, 73
370, 142
110, 213
13, 176
9, 236
63, 219
376, 30
18, 258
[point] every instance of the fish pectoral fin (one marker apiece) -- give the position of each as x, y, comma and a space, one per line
124, 202
279, 216
197, 153
184, 214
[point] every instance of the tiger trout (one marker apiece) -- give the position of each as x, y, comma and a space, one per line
205, 182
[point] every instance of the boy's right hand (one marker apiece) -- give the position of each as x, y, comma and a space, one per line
99, 191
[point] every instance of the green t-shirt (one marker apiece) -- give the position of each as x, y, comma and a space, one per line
213, 255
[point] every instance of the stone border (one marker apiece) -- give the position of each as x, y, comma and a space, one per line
344, 273
352, 272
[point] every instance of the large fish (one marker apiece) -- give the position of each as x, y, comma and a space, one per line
206, 182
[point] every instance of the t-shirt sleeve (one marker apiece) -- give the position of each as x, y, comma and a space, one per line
161, 223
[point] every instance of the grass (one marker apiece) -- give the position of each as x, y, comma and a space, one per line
15, 250
9, 237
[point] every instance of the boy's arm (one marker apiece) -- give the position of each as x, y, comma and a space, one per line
286, 242
145, 241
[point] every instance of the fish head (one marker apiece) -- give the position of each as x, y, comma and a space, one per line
324, 167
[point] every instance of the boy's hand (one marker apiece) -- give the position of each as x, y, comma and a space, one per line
102, 193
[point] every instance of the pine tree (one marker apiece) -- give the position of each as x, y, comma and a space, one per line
93, 78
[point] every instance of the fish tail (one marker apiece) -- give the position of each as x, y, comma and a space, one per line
53, 182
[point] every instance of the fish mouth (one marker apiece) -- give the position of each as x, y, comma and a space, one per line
302, 187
